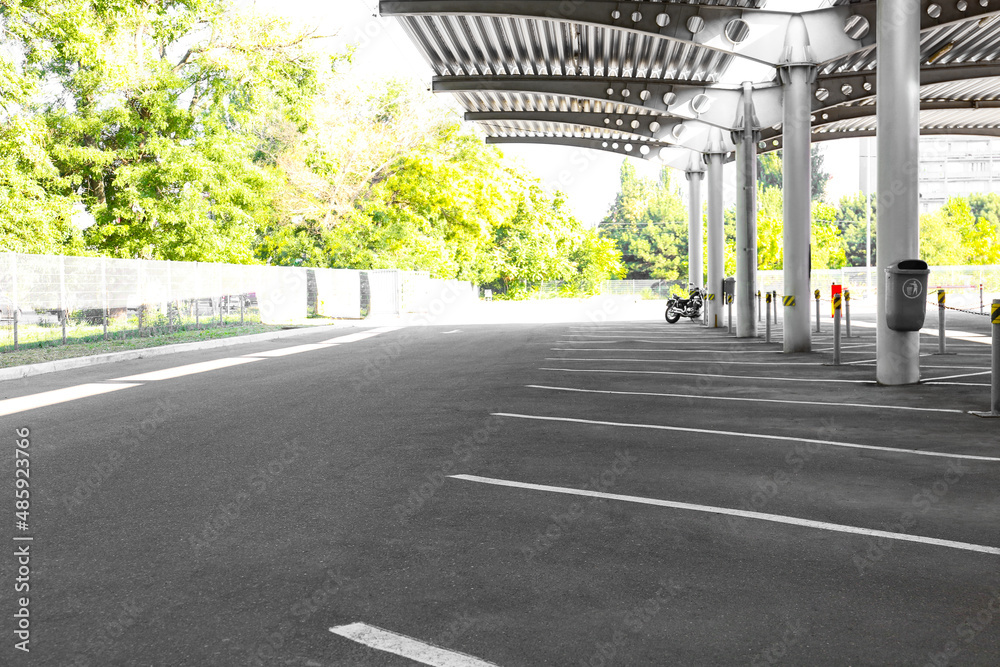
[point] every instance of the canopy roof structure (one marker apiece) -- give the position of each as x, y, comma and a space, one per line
650, 79
695, 83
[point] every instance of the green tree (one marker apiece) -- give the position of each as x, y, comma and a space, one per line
851, 217
770, 175
648, 222
157, 115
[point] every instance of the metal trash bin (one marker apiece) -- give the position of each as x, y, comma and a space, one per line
729, 286
906, 295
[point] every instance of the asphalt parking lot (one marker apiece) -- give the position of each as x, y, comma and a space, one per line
589, 493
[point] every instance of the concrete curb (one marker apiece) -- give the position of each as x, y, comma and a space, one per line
18, 372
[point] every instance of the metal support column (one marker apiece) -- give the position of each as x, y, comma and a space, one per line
746, 221
696, 272
796, 76
898, 229
716, 240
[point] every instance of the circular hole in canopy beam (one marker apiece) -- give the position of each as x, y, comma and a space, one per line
934, 10
669, 98
857, 27
695, 24
663, 20
701, 103
822, 94
636, 17
847, 89
737, 31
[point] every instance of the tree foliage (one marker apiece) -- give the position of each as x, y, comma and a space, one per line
648, 222
203, 130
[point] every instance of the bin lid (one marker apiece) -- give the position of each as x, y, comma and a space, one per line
909, 266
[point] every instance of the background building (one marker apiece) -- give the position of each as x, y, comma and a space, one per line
949, 167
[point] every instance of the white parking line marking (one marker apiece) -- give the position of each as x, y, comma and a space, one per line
955, 377
961, 384
706, 375
385, 329
693, 361
750, 400
12, 406
672, 341
451, 332
620, 349
949, 333
189, 369
285, 351
760, 516
754, 436
353, 338
418, 651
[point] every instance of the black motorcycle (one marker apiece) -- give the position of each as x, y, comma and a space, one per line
689, 307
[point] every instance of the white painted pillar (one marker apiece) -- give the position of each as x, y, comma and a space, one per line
796, 78
898, 225
716, 241
696, 271
746, 222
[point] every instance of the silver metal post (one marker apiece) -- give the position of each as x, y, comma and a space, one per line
746, 220
819, 328
760, 312
695, 270
942, 339
220, 311
16, 318
982, 304
767, 330
836, 329
197, 313
995, 392
62, 295
797, 74
241, 309
847, 311
716, 239
729, 305
899, 44
995, 384
104, 296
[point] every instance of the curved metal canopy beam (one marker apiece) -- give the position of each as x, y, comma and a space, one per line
835, 89
836, 32
710, 104
843, 113
777, 144
672, 156
690, 135
649, 126
609, 145
933, 14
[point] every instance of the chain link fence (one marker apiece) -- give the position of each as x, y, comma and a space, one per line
968, 287
640, 289
50, 299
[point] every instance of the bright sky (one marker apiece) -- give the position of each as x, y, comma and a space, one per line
589, 178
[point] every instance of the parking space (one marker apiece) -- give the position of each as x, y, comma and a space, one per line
620, 493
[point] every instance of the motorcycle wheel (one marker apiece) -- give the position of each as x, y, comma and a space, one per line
672, 315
